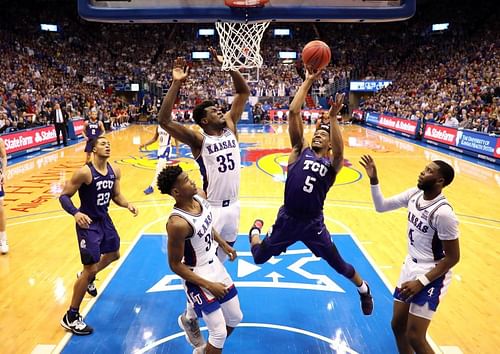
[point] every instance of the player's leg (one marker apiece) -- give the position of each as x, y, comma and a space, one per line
323, 246
232, 314
281, 235
226, 223
217, 332
88, 241
88, 151
416, 330
399, 325
4, 245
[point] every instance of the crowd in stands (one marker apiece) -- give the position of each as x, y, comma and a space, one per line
451, 78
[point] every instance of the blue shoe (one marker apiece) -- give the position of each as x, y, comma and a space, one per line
149, 190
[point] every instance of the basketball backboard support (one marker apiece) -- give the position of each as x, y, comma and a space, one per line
209, 11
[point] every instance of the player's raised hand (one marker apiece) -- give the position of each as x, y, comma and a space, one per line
311, 73
217, 58
336, 105
181, 70
369, 165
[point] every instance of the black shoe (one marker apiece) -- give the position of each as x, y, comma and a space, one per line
258, 224
76, 326
366, 301
91, 289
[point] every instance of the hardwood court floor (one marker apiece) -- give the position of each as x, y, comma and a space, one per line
36, 277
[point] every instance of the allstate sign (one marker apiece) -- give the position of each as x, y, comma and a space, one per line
372, 117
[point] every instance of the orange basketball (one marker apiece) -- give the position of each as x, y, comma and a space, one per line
316, 54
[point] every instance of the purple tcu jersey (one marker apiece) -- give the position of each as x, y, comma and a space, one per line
307, 183
93, 130
95, 197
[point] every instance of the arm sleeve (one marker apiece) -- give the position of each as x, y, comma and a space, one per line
446, 223
67, 204
398, 201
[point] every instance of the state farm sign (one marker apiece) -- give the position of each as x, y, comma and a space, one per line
28, 139
440, 134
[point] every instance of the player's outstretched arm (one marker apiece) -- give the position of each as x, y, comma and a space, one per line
178, 230
152, 140
178, 131
335, 133
240, 98
295, 124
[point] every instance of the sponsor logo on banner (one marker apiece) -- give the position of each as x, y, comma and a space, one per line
399, 124
78, 125
28, 139
477, 142
357, 114
372, 117
440, 134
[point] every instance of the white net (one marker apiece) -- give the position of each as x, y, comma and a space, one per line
240, 44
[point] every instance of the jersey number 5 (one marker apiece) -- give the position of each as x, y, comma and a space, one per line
308, 184
225, 162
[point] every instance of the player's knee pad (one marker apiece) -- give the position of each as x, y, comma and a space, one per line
217, 335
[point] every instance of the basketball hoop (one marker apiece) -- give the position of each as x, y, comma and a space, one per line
240, 41
240, 44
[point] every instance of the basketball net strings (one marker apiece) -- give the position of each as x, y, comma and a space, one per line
240, 44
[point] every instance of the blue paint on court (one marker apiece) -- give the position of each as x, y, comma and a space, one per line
296, 305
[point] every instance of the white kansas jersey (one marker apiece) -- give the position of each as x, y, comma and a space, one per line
200, 247
220, 165
163, 143
429, 222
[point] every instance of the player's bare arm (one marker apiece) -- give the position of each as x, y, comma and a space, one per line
152, 140
118, 197
230, 251
178, 230
240, 98
3, 157
179, 132
84, 134
452, 256
83, 175
335, 133
295, 124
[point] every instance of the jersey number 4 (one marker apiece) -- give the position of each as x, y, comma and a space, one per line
225, 162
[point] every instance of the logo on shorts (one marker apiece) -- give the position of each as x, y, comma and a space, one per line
83, 244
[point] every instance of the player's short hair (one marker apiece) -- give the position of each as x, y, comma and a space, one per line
325, 127
446, 171
93, 141
199, 111
167, 178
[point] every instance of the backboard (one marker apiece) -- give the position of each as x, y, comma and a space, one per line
205, 11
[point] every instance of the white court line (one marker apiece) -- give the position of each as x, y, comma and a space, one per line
334, 343
60, 346
382, 276
269, 205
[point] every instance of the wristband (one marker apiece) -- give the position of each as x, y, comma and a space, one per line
423, 279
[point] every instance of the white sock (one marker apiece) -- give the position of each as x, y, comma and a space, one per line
190, 313
363, 289
3, 235
255, 232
